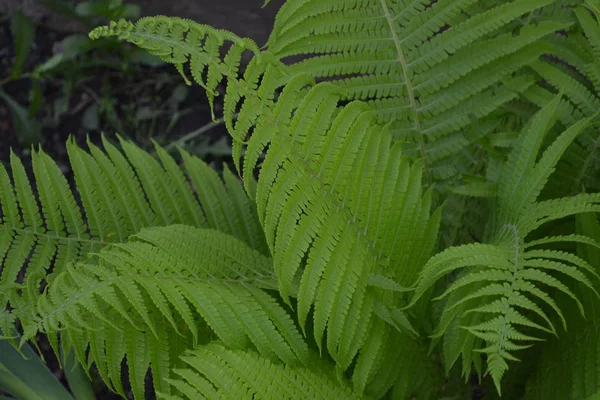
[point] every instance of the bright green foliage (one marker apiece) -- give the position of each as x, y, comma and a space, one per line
214, 371
339, 204
505, 280
140, 301
317, 278
120, 194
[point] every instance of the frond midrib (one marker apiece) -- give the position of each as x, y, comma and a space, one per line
69, 238
407, 82
93, 289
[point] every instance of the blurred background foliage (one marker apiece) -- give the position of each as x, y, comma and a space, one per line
54, 85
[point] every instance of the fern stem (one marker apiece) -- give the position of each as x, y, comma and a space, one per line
409, 87
62, 238
192, 135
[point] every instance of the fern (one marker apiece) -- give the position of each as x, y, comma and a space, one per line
137, 300
314, 219
359, 118
428, 68
214, 371
509, 278
573, 70
119, 195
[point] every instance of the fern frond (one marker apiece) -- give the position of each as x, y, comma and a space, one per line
428, 68
179, 41
178, 278
120, 195
327, 236
509, 281
574, 70
360, 232
214, 371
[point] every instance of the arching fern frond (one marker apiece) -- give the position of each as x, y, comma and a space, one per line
337, 201
214, 371
506, 282
165, 291
428, 68
179, 41
120, 194
574, 70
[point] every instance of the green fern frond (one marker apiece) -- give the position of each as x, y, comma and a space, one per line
327, 236
430, 69
179, 42
574, 70
171, 282
120, 194
360, 232
214, 371
509, 281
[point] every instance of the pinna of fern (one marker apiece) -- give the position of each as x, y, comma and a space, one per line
504, 296
214, 371
342, 208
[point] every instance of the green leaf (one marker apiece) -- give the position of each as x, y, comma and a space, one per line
79, 382
48, 65
25, 376
383, 282
90, 118
36, 97
23, 32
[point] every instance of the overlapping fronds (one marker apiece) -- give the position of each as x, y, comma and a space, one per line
568, 367
574, 70
166, 290
179, 42
44, 227
214, 371
509, 282
339, 204
342, 209
429, 68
